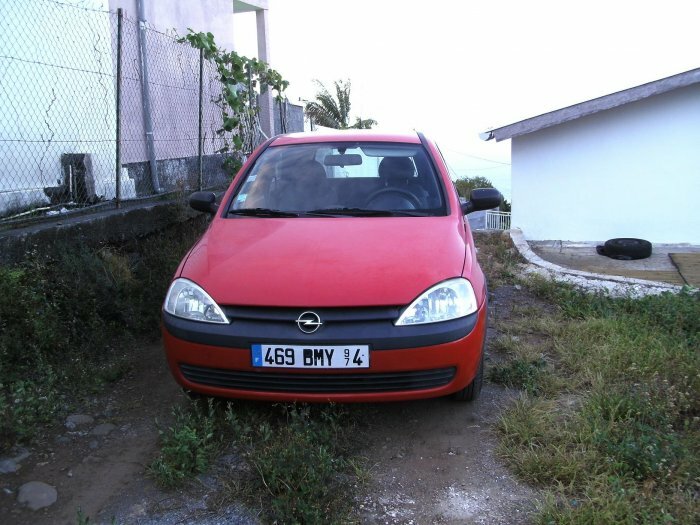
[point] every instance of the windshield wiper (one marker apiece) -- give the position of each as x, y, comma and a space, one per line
362, 212
262, 212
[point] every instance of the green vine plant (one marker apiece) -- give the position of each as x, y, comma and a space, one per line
242, 79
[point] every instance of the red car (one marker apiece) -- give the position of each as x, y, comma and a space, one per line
337, 267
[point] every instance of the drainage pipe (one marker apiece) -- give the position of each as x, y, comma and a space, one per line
146, 96
118, 150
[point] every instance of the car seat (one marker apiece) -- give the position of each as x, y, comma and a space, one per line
399, 173
305, 187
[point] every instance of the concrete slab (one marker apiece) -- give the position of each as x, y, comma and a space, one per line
582, 256
688, 265
615, 282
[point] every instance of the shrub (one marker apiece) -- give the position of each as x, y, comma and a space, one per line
187, 446
66, 315
465, 185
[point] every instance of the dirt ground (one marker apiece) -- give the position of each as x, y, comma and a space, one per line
430, 461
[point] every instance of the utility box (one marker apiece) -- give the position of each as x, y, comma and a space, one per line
78, 182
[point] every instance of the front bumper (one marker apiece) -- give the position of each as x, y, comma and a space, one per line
406, 362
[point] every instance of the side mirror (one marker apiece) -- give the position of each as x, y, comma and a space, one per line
482, 199
204, 201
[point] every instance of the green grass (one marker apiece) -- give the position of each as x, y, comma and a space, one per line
187, 446
302, 465
497, 256
65, 317
615, 435
527, 375
300, 457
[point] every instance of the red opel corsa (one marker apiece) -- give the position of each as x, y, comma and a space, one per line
337, 267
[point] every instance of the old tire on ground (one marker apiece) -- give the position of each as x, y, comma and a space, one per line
627, 249
473, 389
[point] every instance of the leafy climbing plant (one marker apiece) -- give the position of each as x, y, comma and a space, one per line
242, 79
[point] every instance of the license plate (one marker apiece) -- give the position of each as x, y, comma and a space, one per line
298, 356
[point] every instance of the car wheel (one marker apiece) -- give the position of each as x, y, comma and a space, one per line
626, 249
473, 389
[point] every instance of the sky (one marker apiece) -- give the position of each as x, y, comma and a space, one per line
455, 68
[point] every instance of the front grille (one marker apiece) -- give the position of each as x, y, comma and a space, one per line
318, 383
287, 316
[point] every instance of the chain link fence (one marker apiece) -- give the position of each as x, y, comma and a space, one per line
97, 109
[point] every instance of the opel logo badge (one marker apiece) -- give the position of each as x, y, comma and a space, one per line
309, 322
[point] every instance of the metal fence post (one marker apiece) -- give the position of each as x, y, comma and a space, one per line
118, 174
201, 118
146, 96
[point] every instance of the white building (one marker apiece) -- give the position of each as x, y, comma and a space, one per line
622, 165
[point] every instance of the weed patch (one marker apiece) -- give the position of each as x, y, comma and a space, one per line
66, 315
625, 450
301, 468
186, 447
498, 258
524, 374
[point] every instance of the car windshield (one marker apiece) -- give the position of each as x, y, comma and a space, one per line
364, 179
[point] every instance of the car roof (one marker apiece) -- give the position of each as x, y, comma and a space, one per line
360, 135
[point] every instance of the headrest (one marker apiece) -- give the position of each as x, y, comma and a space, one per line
306, 171
396, 168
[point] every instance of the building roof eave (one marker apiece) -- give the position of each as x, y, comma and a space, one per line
590, 107
247, 6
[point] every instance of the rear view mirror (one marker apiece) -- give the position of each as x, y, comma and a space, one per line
347, 159
204, 201
482, 199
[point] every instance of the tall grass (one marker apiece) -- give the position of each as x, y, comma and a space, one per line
66, 316
497, 256
617, 439
299, 457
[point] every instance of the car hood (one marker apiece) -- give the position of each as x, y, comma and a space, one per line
325, 262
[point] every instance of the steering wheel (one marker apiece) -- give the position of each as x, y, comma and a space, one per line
403, 195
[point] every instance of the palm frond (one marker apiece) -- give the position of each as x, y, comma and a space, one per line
363, 123
320, 115
334, 112
342, 91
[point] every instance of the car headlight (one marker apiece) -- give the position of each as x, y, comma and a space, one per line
189, 301
448, 300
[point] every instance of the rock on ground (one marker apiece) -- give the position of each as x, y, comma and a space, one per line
78, 420
37, 495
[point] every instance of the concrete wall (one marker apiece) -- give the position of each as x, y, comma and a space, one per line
214, 16
94, 230
633, 171
57, 82
295, 118
173, 77
53, 52
174, 85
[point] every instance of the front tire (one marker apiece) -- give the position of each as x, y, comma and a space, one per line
473, 389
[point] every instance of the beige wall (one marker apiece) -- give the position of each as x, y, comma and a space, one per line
214, 16
173, 74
